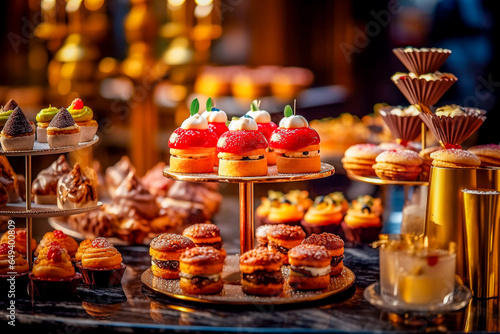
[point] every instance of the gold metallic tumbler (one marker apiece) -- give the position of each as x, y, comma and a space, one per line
481, 211
444, 219
488, 178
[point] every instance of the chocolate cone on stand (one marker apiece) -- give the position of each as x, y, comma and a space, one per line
403, 128
424, 60
451, 132
422, 91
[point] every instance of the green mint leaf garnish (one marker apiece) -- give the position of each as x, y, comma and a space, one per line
209, 104
254, 106
288, 111
195, 106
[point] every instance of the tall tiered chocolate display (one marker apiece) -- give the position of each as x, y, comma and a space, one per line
423, 86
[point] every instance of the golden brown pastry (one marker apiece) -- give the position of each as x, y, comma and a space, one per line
20, 240
165, 251
45, 184
101, 255
81, 248
200, 270
64, 240
6, 266
8, 178
115, 174
53, 262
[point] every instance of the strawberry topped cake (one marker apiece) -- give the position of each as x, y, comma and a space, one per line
266, 127
242, 149
192, 145
296, 145
216, 118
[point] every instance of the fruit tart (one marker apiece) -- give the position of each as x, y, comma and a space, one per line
18, 134
326, 214
14, 269
101, 264
43, 119
83, 118
242, 149
296, 145
192, 145
266, 127
64, 240
77, 189
53, 275
362, 222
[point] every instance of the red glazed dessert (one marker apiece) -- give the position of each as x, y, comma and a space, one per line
192, 146
266, 127
216, 119
64, 240
242, 149
296, 145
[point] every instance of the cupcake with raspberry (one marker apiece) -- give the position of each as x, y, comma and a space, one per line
326, 214
362, 222
266, 127
64, 240
193, 145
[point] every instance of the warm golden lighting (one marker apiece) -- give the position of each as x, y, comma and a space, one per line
203, 2
201, 11
48, 5
176, 3
93, 4
179, 52
107, 65
73, 5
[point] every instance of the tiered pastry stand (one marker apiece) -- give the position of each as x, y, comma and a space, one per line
31, 210
232, 293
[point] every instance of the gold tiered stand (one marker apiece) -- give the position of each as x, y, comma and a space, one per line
232, 294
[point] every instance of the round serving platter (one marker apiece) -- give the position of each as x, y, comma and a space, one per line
378, 181
44, 149
41, 210
271, 177
232, 294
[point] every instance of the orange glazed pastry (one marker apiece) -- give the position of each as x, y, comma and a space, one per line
334, 244
20, 240
301, 198
205, 234
261, 272
53, 274
326, 214
66, 242
81, 248
13, 265
284, 212
200, 270
309, 267
165, 251
101, 264
362, 222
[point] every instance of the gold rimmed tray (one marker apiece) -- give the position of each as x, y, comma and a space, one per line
41, 210
377, 181
232, 294
271, 177
44, 149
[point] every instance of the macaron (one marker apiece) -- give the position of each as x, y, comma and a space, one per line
200, 271
261, 235
165, 251
205, 234
359, 159
261, 272
455, 158
488, 154
283, 237
401, 165
334, 244
309, 267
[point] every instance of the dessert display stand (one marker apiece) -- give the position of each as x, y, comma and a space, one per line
232, 293
31, 210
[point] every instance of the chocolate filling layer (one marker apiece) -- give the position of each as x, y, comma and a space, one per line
264, 277
200, 281
336, 260
279, 248
216, 245
170, 264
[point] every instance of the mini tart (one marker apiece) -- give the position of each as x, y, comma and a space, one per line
261, 272
309, 267
399, 165
101, 264
20, 240
53, 275
165, 251
18, 133
192, 150
282, 237
297, 150
455, 158
19, 269
488, 154
77, 189
362, 222
242, 153
43, 119
334, 244
359, 159
205, 234
44, 187
64, 240
200, 271
62, 130
83, 118
326, 214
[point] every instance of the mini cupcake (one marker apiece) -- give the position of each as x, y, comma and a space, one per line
284, 212
19, 239
53, 275
14, 269
83, 118
362, 223
18, 133
101, 264
262, 210
326, 214
81, 249
43, 119
205, 234
64, 240
62, 130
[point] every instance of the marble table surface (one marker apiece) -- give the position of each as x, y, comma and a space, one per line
132, 307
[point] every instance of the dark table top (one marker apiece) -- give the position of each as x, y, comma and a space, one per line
132, 307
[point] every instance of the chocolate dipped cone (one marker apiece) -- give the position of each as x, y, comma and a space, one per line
421, 61
427, 92
453, 131
403, 128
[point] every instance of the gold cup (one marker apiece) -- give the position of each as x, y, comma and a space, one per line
481, 211
445, 221
488, 178
482, 316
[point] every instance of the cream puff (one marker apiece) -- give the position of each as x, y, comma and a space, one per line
19, 240
266, 127
193, 145
62, 130
296, 145
242, 149
65, 241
